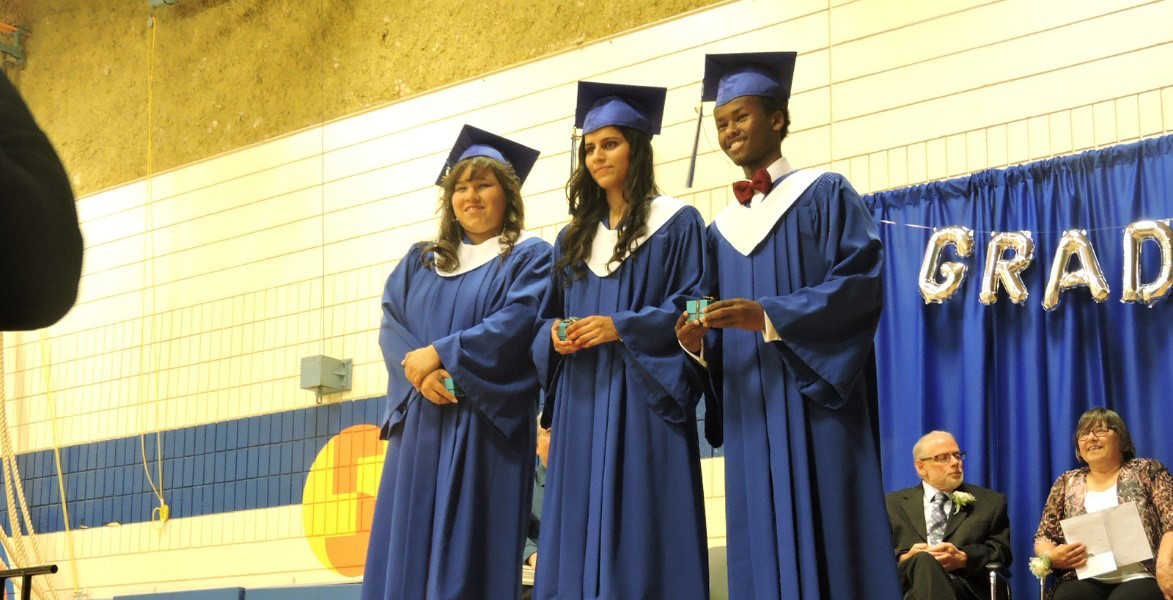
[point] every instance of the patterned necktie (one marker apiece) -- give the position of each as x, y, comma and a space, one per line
744, 190
937, 519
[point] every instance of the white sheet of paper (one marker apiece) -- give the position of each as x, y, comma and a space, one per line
1091, 531
1097, 564
1130, 543
1114, 537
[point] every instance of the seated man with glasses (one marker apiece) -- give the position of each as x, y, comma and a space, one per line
944, 531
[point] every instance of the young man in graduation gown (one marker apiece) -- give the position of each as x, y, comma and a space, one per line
796, 265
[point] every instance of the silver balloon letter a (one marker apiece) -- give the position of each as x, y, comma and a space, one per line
1074, 243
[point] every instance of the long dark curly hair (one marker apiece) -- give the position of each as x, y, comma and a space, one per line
588, 205
441, 253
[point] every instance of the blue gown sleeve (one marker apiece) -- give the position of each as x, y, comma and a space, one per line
396, 341
828, 327
490, 361
546, 361
711, 376
648, 335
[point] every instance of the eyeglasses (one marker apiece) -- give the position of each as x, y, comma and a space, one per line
1098, 432
944, 458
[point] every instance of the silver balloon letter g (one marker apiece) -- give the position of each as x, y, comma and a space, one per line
952, 273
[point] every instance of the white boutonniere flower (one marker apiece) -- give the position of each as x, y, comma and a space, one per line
961, 500
1040, 566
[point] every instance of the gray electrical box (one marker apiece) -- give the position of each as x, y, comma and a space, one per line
325, 375
161, 3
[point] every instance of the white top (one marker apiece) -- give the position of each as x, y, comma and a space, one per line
746, 226
1095, 502
474, 255
660, 212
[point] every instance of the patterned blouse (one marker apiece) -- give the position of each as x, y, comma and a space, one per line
1142, 480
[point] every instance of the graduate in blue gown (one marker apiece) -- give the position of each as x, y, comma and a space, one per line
623, 516
453, 504
797, 276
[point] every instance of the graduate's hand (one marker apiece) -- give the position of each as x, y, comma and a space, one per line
1069, 556
735, 313
433, 388
690, 334
561, 347
533, 561
592, 331
949, 556
418, 363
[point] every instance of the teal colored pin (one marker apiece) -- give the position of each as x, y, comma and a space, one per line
562, 325
450, 385
696, 307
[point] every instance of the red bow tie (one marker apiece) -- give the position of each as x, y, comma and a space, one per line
744, 190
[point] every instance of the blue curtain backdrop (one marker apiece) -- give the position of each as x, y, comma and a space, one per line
1010, 381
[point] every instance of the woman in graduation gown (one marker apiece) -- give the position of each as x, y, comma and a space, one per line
453, 504
623, 517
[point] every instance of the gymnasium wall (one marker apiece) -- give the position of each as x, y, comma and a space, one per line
227, 73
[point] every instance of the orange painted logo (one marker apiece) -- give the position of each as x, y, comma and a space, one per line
338, 504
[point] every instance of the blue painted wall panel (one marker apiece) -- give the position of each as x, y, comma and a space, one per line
220, 594
255, 462
345, 591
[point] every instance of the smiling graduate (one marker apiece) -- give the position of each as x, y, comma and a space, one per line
796, 268
453, 504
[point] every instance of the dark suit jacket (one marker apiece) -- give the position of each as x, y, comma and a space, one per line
981, 530
40, 243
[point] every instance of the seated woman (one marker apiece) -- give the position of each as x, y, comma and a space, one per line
1112, 476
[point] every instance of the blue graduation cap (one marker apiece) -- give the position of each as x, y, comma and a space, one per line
730, 76
477, 142
639, 107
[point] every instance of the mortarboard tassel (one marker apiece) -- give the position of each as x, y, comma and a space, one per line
696, 141
573, 151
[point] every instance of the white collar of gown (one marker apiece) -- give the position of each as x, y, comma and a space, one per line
746, 226
603, 247
474, 255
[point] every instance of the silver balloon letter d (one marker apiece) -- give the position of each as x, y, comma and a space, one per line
1134, 237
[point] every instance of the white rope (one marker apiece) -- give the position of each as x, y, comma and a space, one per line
16, 545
